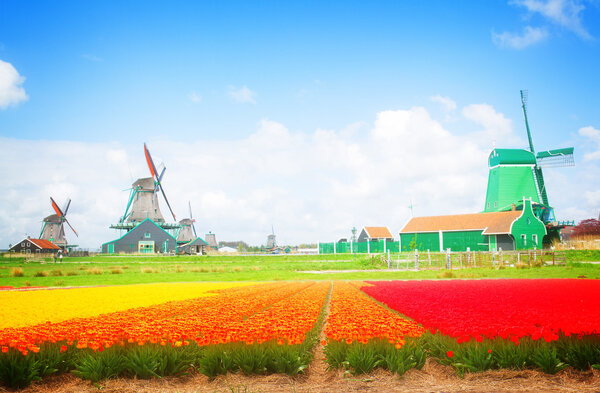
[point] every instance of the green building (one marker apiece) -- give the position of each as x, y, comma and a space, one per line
487, 231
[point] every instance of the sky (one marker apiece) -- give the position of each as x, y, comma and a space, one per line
307, 117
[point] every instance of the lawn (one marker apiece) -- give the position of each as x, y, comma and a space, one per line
120, 270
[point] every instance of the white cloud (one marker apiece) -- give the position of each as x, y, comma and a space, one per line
447, 103
11, 91
195, 97
242, 94
495, 127
593, 135
565, 13
311, 187
530, 36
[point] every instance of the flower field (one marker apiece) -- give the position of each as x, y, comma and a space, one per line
511, 309
155, 330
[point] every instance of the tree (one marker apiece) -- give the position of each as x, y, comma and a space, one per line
587, 227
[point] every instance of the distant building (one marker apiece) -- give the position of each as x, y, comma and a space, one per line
211, 239
147, 237
375, 233
196, 246
508, 230
34, 246
227, 249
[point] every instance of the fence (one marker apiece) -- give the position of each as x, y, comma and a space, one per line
371, 247
469, 259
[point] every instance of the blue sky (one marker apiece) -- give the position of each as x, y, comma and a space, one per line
107, 76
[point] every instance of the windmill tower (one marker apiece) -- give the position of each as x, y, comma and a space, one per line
143, 200
517, 173
271, 242
53, 227
187, 233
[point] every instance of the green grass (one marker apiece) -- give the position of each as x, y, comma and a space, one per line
100, 270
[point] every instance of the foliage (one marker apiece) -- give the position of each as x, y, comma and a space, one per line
587, 227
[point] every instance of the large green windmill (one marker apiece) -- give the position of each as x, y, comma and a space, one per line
517, 173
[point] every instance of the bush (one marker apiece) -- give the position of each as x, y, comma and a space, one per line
94, 270
17, 272
41, 274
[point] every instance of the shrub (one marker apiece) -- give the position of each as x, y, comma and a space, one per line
42, 273
116, 270
94, 270
149, 270
17, 272
72, 273
56, 272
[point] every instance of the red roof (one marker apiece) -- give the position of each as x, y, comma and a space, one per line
44, 244
492, 223
378, 233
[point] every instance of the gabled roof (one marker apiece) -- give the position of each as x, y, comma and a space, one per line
490, 223
135, 227
44, 244
378, 232
195, 242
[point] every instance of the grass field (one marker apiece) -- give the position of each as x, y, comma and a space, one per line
120, 270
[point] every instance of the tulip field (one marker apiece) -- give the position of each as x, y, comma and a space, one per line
154, 330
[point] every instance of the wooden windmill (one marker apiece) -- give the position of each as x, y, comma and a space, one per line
53, 227
187, 233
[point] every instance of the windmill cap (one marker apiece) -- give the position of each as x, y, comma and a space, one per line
511, 157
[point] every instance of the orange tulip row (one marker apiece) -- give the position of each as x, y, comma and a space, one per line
175, 323
354, 316
287, 321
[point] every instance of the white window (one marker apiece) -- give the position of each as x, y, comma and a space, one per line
524, 238
495, 203
147, 235
534, 238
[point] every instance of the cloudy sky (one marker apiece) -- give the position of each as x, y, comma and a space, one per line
312, 118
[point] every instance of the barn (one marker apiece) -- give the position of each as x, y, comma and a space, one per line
488, 231
34, 246
147, 237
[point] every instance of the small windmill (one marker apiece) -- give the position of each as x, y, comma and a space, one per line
53, 228
187, 233
271, 242
143, 199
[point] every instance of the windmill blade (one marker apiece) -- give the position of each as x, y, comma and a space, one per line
166, 200
67, 206
159, 179
70, 226
151, 165
192, 218
56, 208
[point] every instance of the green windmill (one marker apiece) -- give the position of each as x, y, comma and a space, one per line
516, 174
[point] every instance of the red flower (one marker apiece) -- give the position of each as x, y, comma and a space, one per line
450, 354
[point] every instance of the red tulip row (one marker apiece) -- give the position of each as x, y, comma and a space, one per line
509, 308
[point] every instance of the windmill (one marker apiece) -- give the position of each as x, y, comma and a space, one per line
53, 228
187, 233
143, 199
271, 242
517, 173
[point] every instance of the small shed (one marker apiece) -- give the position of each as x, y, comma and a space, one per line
375, 233
196, 246
34, 246
509, 230
147, 237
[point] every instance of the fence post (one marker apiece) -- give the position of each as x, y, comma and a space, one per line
493, 258
468, 256
368, 246
388, 261
416, 259
334, 251
500, 258
429, 257
351, 247
384, 245
448, 259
